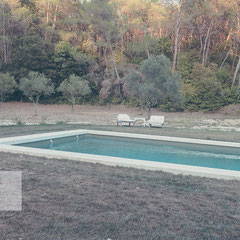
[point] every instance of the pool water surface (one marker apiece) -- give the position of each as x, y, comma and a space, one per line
148, 150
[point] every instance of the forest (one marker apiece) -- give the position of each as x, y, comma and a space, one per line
174, 55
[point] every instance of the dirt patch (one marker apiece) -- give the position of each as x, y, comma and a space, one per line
23, 113
81, 201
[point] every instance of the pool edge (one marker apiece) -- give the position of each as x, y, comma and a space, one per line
123, 162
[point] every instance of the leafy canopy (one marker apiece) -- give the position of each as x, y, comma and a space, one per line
203, 91
154, 83
67, 60
73, 88
35, 85
30, 53
7, 85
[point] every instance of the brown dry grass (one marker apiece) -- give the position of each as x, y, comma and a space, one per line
15, 112
74, 201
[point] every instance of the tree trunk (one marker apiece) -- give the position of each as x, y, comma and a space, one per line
148, 113
35, 104
47, 19
224, 60
206, 45
233, 64
117, 82
177, 30
54, 22
201, 41
236, 72
1, 99
105, 57
122, 43
4, 35
72, 100
207, 51
35, 108
239, 82
191, 38
146, 44
113, 60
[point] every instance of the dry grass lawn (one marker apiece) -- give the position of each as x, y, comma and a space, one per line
15, 112
81, 201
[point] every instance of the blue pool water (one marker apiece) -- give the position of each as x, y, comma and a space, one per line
150, 150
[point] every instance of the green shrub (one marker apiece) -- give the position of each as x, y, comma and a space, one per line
132, 102
170, 107
203, 91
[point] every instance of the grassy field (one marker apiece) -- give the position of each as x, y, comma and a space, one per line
232, 136
72, 200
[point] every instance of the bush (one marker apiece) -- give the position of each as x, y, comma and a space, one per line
203, 91
170, 107
233, 109
132, 102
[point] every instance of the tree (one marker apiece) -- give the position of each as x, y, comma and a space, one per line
5, 12
12, 18
59, 38
34, 86
7, 85
154, 83
30, 53
102, 17
67, 60
74, 87
203, 90
162, 46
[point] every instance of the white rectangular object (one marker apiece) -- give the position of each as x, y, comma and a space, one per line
10, 191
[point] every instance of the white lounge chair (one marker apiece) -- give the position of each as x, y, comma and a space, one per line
156, 120
124, 118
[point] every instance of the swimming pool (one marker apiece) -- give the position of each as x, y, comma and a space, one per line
177, 155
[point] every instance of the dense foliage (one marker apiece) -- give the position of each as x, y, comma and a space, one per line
7, 85
154, 83
103, 41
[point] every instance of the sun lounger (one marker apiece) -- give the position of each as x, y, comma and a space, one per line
124, 118
156, 121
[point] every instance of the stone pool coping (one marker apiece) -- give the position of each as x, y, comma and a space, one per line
5, 146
